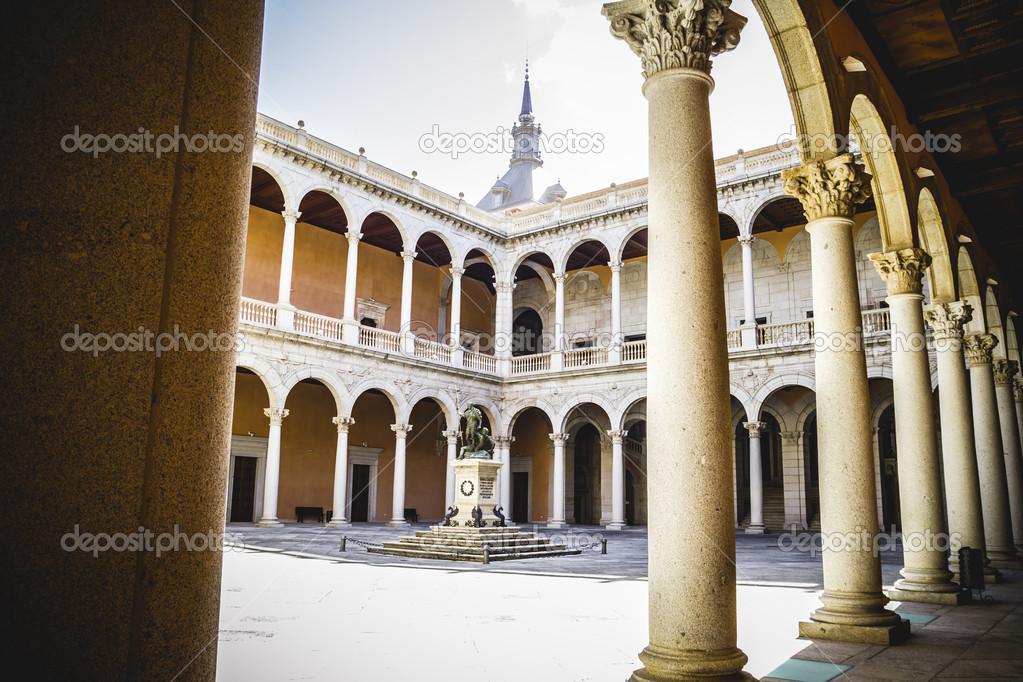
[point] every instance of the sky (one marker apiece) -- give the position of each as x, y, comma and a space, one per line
388, 76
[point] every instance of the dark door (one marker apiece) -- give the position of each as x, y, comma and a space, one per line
630, 499
244, 490
520, 496
360, 493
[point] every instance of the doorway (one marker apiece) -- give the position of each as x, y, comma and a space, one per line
360, 493
243, 497
520, 496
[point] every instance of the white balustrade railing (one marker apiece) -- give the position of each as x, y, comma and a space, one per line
431, 350
479, 362
318, 325
785, 333
634, 351
381, 339
524, 364
585, 357
258, 312
876, 322
734, 337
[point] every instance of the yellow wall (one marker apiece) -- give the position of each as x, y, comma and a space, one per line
263, 245
532, 439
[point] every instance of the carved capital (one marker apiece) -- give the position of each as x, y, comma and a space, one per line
615, 265
343, 423
503, 287
408, 256
978, 348
617, 436
829, 188
674, 34
559, 438
1004, 371
947, 319
291, 216
353, 237
745, 241
755, 428
276, 415
902, 270
1017, 390
791, 437
401, 430
559, 277
504, 442
451, 435
456, 273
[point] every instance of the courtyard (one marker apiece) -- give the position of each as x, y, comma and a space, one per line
294, 607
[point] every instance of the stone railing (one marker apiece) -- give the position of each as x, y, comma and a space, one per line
634, 351
258, 312
876, 322
479, 362
785, 333
525, 364
734, 338
585, 357
318, 325
431, 350
380, 339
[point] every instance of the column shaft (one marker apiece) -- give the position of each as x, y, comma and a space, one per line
748, 293
287, 257
406, 290
1004, 372
617, 480
559, 311
449, 476
557, 517
339, 519
456, 307
756, 480
272, 475
398, 501
994, 492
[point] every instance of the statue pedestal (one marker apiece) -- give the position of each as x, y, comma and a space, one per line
475, 486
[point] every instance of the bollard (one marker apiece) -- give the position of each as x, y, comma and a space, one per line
486, 554
603, 545
343, 540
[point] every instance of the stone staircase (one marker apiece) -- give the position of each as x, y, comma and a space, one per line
774, 510
466, 544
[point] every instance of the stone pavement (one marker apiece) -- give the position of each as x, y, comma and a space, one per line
295, 607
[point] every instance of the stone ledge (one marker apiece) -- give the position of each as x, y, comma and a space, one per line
884, 635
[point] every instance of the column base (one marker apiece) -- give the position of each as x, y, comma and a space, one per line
882, 635
338, 523
924, 597
665, 665
756, 529
269, 523
616, 526
557, 524
398, 524
1008, 564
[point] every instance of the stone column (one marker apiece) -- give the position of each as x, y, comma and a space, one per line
617, 481
559, 311
1017, 392
926, 577
557, 517
456, 306
959, 453
616, 312
748, 297
853, 605
339, 519
408, 256
504, 475
692, 619
794, 477
273, 468
1004, 371
398, 500
756, 480
285, 310
350, 329
449, 477
994, 491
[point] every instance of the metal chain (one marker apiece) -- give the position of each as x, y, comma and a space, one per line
349, 538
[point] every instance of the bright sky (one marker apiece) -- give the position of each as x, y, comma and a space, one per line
383, 75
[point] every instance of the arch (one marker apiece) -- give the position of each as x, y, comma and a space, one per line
969, 291
290, 203
589, 398
447, 406
317, 374
790, 214
1011, 340
267, 374
541, 270
423, 255
370, 385
632, 411
566, 257
521, 409
884, 165
479, 254
756, 401
931, 230
333, 194
993, 319
630, 236
373, 229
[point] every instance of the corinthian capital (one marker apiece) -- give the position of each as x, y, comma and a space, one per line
829, 188
978, 348
947, 319
276, 415
902, 270
673, 34
401, 430
754, 428
342, 423
1004, 371
1017, 390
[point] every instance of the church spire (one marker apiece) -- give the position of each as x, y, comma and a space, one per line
527, 102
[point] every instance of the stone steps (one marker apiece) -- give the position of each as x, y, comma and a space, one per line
467, 544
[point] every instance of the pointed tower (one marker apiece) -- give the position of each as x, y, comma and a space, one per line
515, 187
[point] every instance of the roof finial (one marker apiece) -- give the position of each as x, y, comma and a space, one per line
527, 102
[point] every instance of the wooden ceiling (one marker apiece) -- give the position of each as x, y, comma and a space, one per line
957, 65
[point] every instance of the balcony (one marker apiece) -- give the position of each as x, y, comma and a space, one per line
797, 335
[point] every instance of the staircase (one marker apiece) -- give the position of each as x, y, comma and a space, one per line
466, 544
774, 510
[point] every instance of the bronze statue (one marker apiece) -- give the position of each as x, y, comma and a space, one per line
452, 512
477, 441
500, 517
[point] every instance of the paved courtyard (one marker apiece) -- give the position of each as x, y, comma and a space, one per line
296, 608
